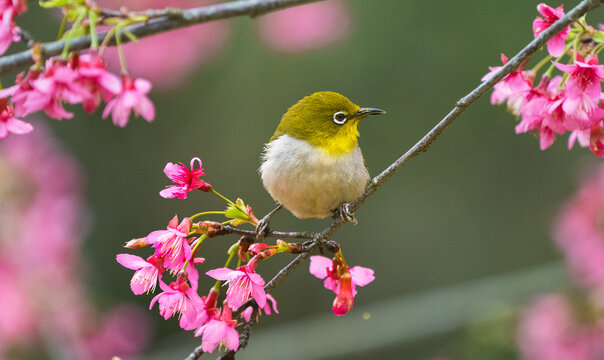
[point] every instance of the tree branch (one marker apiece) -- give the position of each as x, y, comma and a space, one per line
174, 19
227, 229
423, 145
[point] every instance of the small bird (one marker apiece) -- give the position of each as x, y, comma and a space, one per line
312, 165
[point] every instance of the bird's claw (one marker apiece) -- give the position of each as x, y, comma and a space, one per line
262, 228
344, 213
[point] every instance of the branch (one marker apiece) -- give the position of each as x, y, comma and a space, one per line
227, 229
174, 19
423, 145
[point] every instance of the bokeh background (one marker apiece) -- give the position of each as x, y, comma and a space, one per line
461, 233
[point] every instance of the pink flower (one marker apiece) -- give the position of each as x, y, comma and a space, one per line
247, 313
172, 244
206, 311
580, 234
219, 331
58, 83
179, 298
133, 96
93, 75
146, 274
342, 282
9, 32
549, 330
555, 46
185, 180
305, 27
512, 89
543, 112
583, 89
10, 124
243, 283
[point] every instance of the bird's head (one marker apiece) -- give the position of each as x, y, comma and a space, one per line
325, 119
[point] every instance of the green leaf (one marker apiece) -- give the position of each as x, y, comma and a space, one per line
598, 37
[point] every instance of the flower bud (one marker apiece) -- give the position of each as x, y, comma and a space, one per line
136, 243
256, 248
211, 228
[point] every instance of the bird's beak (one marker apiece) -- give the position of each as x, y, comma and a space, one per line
363, 112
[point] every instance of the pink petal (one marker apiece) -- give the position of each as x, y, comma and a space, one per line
142, 86
17, 126
319, 265
361, 276
145, 109
247, 313
232, 338
131, 261
220, 273
555, 46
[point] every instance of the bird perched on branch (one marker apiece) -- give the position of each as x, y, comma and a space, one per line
312, 165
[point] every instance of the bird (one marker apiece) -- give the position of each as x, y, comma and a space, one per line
313, 165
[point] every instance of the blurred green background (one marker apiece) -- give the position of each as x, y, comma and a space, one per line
478, 204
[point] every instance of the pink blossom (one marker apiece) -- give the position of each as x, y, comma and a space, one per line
56, 84
513, 89
555, 46
580, 234
582, 92
256, 248
172, 244
206, 311
10, 124
247, 313
195, 46
548, 330
133, 97
93, 75
146, 274
243, 283
542, 112
306, 27
185, 180
341, 282
179, 298
9, 32
219, 331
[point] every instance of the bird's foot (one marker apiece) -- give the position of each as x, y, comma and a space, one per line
344, 213
262, 227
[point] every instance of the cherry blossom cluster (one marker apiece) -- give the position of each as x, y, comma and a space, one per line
71, 78
44, 293
175, 256
84, 80
565, 102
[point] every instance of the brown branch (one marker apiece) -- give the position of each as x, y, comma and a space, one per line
227, 229
173, 19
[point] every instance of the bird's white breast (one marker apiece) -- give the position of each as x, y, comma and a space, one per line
308, 181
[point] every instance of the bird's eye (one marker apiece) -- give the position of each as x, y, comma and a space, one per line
339, 118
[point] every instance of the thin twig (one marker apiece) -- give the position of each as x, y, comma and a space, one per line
174, 20
424, 143
227, 229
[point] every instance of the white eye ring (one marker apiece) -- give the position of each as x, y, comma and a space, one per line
339, 118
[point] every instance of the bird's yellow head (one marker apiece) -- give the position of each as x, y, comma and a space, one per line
325, 119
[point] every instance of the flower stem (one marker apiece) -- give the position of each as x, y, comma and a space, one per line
120, 51
194, 250
232, 252
206, 213
221, 196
